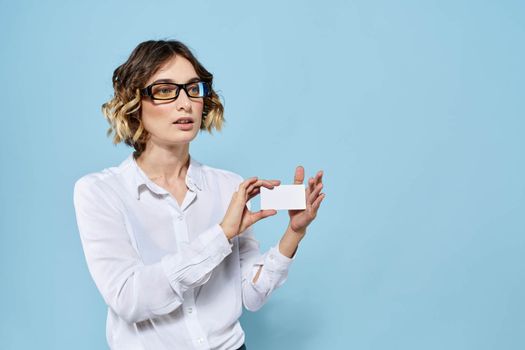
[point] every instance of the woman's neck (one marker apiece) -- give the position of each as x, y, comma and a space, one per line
165, 164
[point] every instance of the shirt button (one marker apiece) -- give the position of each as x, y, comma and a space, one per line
190, 310
271, 256
179, 217
200, 340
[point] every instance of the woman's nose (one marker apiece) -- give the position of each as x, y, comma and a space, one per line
183, 101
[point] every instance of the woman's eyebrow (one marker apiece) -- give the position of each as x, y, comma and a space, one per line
192, 80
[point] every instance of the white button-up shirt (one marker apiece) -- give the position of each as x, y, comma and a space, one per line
170, 277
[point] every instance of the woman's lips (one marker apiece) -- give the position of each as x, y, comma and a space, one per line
184, 126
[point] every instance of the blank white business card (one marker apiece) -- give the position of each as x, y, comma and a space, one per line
283, 197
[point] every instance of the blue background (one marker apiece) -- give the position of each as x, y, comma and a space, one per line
414, 109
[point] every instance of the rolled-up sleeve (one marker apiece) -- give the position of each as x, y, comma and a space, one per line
133, 290
274, 271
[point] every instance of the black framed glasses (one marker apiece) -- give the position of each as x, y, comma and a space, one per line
170, 91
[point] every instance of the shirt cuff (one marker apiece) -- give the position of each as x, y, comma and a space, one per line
192, 266
216, 235
276, 261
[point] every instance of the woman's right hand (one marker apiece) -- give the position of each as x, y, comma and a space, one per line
238, 218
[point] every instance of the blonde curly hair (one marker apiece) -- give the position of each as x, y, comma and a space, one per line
123, 111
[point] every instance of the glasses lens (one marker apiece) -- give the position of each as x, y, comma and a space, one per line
164, 91
196, 89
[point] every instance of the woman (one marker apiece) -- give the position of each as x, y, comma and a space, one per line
168, 240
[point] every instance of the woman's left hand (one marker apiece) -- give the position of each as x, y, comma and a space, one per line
300, 219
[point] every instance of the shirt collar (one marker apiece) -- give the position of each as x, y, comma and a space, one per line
194, 178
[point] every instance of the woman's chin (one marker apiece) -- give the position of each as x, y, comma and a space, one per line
183, 138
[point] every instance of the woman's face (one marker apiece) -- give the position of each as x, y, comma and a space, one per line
162, 119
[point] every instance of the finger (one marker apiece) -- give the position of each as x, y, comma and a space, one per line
254, 193
250, 187
317, 202
270, 183
307, 194
311, 184
264, 183
261, 214
299, 175
319, 177
254, 190
246, 183
253, 185
241, 193
315, 193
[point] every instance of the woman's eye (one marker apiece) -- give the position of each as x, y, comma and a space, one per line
164, 90
194, 89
